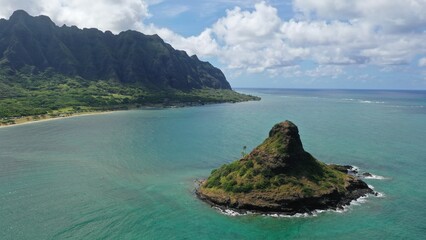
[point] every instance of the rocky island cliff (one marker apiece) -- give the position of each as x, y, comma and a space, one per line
279, 176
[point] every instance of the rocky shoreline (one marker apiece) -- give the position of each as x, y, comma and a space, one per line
331, 201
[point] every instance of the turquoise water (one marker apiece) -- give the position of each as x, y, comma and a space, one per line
130, 175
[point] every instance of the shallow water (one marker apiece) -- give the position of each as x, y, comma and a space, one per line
130, 175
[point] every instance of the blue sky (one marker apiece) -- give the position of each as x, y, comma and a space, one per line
366, 44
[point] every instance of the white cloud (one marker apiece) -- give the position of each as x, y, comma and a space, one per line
330, 33
241, 40
252, 40
203, 44
320, 71
174, 11
239, 26
422, 62
401, 15
8, 7
259, 40
325, 71
114, 15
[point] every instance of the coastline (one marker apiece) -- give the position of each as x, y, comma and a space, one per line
241, 212
17, 121
341, 203
45, 118
13, 117
357, 190
235, 212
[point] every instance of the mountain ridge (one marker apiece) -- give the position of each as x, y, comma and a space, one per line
129, 57
48, 71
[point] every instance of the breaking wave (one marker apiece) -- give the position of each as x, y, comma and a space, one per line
374, 177
315, 213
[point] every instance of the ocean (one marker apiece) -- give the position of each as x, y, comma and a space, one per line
131, 174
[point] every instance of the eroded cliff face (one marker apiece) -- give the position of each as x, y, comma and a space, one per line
280, 176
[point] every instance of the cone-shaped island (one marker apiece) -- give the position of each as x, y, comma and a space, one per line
279, 176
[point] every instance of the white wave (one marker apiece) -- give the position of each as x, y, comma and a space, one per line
353, 169
297, 215
368, 101
343, 210
314, 213
361, 100
354, 203
374, 177
376, 194
230, 212
360, 200
380, 195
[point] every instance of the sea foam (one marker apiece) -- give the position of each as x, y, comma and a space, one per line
315, 213
375, 177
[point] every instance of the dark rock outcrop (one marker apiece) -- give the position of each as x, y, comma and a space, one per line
279, 176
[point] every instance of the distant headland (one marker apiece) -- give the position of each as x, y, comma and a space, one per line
279, 176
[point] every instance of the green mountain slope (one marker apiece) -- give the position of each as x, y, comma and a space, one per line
36, 44
45, 68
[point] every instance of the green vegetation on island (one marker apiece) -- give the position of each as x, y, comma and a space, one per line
249, 174
280, 176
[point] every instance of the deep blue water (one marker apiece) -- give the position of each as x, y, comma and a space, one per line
130, 174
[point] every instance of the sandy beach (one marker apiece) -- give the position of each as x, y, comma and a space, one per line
43, 118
